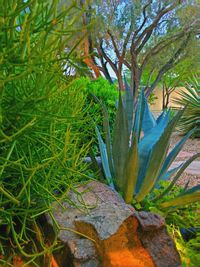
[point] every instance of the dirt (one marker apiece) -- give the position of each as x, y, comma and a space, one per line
191, 147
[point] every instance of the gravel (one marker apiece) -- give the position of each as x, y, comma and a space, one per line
191, 147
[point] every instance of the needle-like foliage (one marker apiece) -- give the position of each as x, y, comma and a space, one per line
42, 117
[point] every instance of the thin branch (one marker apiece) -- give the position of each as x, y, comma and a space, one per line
114, 44
101, 50
144, 19
160, 46
173, 60
146, 34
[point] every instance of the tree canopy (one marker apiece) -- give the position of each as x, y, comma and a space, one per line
141, 36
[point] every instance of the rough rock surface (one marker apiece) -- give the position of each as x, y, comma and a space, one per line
104, 231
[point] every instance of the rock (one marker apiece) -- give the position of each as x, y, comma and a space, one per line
150, 221
102, 230
161, 247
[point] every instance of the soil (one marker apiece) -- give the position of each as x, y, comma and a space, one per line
191, 147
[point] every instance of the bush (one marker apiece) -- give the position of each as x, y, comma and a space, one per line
106, 92
41, 115
191, 99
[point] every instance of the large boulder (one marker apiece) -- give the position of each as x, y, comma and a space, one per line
100, 229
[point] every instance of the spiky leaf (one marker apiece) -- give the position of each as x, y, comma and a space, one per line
190, 196
156, 159
131, 171
148, 119
172, 155
104, 158
120, 142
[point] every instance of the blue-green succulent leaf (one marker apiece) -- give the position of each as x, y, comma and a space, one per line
156, 158
146, 145
178, 174
129, 106
148, 119
131, 171
172, 155
106, 128
190, 196
120, 143
139, 113
161, 116
104, 158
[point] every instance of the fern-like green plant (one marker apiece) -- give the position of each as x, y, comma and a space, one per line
190, 97
137, 158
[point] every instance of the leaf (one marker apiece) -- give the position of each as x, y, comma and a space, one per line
190, 196
172, 155
169, 174
145, 146
106, 127
129, 106
120, 142
156, 159
139, 115
148, 119
131, 171
177, 176
104, 158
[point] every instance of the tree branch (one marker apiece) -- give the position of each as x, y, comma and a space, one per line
170, 63
102, 52
146, 34
144, 19
159, 47
114, 44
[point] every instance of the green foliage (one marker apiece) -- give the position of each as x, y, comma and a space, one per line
135, 165
191, 99
104, 91
188, 251
41, 119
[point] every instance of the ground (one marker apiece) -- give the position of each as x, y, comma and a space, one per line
191, 147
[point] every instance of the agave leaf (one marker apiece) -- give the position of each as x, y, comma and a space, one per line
172, 155
120, 142
95, 164
163, 114
145, 147
177, 176
170, 173
104, 158
190, 196
148, 119
139, 115
129, 106
106, 128
131, 171
156, 159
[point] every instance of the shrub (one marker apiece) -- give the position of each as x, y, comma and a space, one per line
191, 99
40, 119
135, 165
104, 91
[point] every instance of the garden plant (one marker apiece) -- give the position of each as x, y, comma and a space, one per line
143, 160
50, 111
41, 150
190, 97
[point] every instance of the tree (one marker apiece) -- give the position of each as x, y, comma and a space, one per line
180, 74
132, 34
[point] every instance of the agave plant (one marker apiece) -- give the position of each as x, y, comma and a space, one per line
136, 158
191, 99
